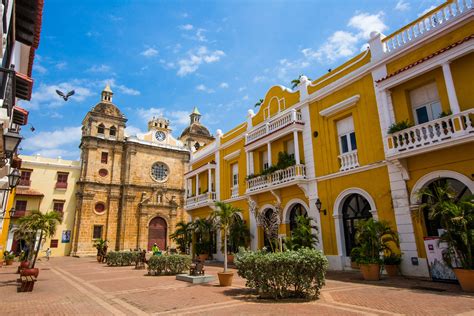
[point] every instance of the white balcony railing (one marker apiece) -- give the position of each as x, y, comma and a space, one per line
234, 192
273, 125
426, 24
432, 133
276, 178
349, 160
200, 200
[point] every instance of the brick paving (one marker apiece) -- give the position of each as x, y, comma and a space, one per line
81, 286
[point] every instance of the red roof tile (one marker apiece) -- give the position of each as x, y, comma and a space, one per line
419, 61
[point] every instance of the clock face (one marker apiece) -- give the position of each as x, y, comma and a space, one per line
161, 136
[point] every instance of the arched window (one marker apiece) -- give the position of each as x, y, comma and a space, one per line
354, 209
460, 191
101, 129
112, 131
296, 210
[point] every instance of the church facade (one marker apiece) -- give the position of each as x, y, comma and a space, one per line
131, 188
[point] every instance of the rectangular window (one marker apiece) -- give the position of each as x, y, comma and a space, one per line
20, 208
346, 134
425, 103
97, 233
62, 181
25, 178
104, 157
290, 147
58, 206
53, 243
235, 175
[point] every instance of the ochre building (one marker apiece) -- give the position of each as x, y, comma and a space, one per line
131, 188
364, 139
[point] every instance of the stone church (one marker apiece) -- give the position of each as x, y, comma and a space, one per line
131, 188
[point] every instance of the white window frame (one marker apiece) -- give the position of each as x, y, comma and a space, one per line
347, 135
430, 97
235, 175
265, 164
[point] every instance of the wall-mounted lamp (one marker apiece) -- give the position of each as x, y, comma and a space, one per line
319, 205
11, 140
11, 213
315, 134
13, 179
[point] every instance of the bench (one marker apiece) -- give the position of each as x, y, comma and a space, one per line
196, 268
26, 283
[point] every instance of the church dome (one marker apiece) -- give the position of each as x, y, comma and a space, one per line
197, 129
107, 109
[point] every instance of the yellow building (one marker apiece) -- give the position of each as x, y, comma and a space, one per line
336, 129
47, 184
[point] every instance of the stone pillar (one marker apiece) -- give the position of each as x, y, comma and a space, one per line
251, 166
448, 80
269, 153
197, 184
403, 219
209, 180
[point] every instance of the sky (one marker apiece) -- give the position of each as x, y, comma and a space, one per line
165, 57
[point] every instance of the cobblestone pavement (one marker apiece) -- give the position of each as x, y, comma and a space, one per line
72, 286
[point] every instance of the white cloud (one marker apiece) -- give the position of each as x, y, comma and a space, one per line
149, 52
40, 69
126, 90
402, 6
366, 23
92, 34
54, 143
45, 95
245, 97
61, 65
340, 44
197, 57
224, 85
259, 78
200, 35
203, 88
427, 10
186, 27
179, 119
116, 86
242, 89
132, 131
99, 68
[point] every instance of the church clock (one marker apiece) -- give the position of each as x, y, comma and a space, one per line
160, 136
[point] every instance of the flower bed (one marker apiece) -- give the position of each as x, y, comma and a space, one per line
168, 264
285, 274
122, 258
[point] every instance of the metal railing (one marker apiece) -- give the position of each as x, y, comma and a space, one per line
276, 178
271, 126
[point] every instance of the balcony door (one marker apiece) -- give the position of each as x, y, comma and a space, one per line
425, 103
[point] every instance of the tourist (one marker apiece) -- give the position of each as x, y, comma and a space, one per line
155, 250
48, 254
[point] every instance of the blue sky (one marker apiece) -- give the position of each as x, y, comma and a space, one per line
164, 57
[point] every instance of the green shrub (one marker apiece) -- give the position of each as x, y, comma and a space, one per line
399, 126
168, 264
122, 258
285, 274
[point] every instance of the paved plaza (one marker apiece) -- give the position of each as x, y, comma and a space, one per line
73, 286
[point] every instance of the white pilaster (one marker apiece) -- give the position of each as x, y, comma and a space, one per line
209, 180
403, 219
269, 153
297, 147
197, 184
448, 80
253, 232
251, 166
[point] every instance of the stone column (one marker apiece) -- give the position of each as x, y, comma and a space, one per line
297, 147
269, 153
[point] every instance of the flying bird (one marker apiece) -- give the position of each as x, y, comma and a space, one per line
65, 96
32, 128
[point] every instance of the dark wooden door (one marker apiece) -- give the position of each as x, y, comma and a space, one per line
157, 233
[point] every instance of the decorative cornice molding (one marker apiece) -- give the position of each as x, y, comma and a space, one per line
341, 106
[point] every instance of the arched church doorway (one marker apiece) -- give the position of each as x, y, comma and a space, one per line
157, 230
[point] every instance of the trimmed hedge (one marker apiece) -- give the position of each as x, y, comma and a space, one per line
299, 273
168, 264
122, 258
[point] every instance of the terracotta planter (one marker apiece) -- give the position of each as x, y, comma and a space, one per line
203, 256
99, 258
9, 262
466, 279
225, 278
230, 259
23, 265
370, 272
355, 265
392, 269
26, 272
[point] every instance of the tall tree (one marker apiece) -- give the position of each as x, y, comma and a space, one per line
224, 215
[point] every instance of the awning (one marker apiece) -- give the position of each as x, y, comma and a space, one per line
23, 86
20, 116
28, 15
28, 192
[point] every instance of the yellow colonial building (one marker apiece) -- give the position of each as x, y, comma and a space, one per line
46, 184
362, 140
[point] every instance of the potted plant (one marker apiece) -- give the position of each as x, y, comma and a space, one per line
239, 236
225, 215
38, 223
203, 228
100, 245
373, 238
456, 218
355, 254
391, 263
9, 257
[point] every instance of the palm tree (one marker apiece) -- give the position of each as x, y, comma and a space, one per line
296, 82
183, 235
302, 236
259, 103
203, 227
224, 215
44, 223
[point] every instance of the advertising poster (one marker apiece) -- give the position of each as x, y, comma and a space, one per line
66, 237
439, 270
